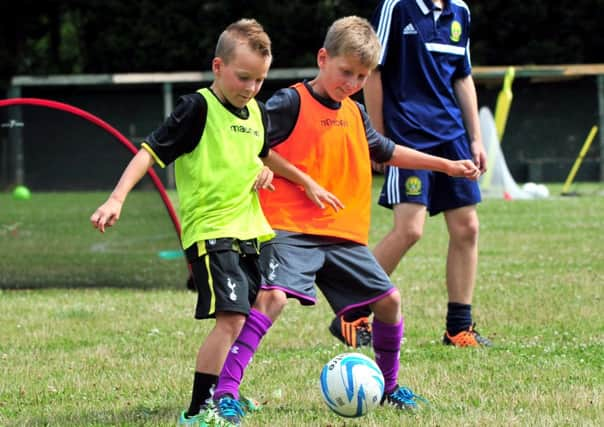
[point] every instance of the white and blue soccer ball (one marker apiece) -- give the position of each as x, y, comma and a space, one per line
352, 384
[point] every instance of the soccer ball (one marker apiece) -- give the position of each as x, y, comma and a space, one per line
351, 384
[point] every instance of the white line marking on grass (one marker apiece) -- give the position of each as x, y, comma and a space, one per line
118, 245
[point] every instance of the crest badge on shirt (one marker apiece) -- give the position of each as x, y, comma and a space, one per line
455, 31
413, 186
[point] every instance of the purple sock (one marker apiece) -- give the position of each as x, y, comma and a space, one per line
387, 347
255, 327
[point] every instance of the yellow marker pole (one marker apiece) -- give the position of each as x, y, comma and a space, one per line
579, 160
502, 109
504, 100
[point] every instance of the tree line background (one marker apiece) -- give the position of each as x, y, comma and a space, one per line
119, 36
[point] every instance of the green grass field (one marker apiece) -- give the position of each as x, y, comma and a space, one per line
97, 330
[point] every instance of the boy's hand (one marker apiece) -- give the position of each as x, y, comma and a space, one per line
464, 169
318, 195
107, 214
264, 180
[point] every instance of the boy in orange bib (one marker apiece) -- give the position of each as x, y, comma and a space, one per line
326, 135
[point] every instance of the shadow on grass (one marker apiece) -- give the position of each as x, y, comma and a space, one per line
136, 416
25, 286
180, 281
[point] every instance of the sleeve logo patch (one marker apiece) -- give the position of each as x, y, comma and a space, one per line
455, 31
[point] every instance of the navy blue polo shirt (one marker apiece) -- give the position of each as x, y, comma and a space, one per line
420, 59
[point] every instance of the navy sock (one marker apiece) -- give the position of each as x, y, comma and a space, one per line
459, 317
202, 391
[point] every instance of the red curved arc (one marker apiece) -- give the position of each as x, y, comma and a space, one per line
110, 129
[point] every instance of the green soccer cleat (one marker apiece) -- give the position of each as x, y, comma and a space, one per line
200, 420
249, 405
207, 417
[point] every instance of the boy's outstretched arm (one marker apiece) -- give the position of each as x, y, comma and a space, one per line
109, 212
314, 191
408, 158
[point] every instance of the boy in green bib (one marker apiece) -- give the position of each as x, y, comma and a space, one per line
217, 139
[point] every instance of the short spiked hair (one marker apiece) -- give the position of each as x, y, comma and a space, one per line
245, 31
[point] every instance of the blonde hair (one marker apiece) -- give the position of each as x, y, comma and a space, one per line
355, 36
244, 31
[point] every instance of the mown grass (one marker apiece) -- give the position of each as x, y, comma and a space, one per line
106, 337
48, 241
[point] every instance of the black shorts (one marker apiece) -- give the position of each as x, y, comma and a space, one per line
226, 276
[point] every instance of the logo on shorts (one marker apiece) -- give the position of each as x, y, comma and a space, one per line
455, 31
235, 349
232, 286
273, 264
413, 186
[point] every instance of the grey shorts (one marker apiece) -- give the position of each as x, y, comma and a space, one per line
226, 276
346, 272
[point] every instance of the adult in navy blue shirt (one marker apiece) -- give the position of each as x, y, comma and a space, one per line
422, 95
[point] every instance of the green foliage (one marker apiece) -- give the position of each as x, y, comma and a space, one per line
516, 32
121, 356
64, 37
